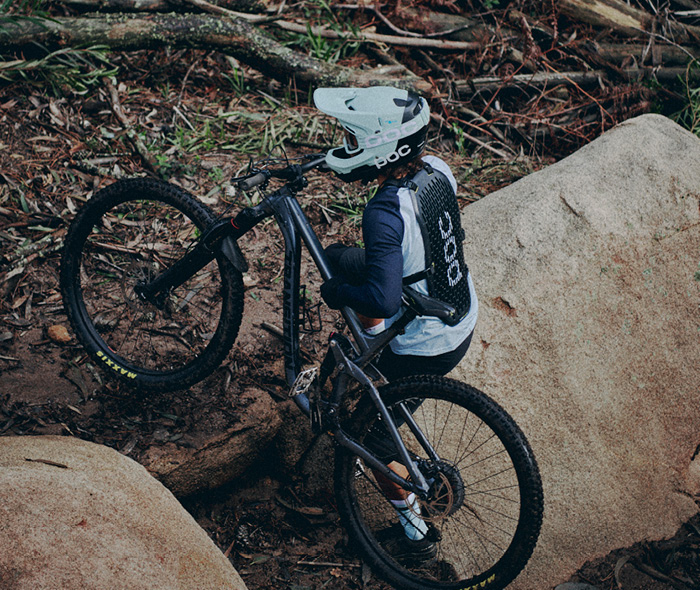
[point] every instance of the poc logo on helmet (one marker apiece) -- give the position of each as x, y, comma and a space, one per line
380, 162
392, 134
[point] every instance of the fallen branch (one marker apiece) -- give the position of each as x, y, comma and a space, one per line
552, 79
501, 154
219, 10
233, 35
377, 38
160, 5
659, 54
624, 19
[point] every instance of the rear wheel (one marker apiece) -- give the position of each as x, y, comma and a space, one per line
484, 509
127, 234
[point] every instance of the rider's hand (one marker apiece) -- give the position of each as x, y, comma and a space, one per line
329, 292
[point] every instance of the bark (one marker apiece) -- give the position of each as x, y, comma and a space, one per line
162, 5
234, 36
626, 20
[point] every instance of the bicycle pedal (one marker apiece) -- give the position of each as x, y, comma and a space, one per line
303, 382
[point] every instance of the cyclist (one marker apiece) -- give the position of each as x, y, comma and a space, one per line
385, 134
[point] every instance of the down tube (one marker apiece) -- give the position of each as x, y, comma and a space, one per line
290, 295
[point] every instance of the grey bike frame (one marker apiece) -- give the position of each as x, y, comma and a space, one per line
295, 228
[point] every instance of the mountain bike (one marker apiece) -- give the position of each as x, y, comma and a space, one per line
152, 284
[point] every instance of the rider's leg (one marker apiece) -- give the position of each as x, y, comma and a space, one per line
405, 503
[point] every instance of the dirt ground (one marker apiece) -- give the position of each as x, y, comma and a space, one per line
276, 534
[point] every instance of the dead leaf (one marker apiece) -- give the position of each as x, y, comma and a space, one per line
58, 334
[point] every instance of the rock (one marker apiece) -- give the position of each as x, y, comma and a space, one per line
587, 275
218, 457
79, 515
575, 586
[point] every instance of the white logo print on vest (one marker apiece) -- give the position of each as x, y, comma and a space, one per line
454, 273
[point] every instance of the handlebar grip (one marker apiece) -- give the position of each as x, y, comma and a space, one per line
253, 181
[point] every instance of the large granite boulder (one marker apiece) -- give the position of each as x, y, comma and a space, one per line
78, 515
588, 274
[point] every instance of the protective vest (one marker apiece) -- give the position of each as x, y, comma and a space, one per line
437, 212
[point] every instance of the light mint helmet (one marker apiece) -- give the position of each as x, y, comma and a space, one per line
385, 126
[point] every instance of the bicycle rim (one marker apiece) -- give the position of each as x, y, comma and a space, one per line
122, 240
485, 507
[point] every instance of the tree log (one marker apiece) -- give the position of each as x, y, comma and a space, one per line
588, 79
624, 19
656, 55
162, 5
235, 36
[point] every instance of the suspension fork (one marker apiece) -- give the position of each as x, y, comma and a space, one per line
220, 237
281, 206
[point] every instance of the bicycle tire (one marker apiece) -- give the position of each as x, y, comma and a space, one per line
486, 504
127, 232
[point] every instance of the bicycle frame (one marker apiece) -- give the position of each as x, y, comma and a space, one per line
296, 229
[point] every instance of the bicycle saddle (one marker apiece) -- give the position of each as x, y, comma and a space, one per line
429, 306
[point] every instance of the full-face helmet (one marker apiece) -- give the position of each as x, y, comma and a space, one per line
384, 127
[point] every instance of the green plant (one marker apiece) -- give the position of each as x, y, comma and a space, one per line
353, 205
237, 78
319, 46
460, 139
14, 10
65, 70
689, 115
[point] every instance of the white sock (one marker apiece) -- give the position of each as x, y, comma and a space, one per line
409, 517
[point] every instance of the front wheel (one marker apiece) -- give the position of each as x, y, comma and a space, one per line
125, 236
482, 517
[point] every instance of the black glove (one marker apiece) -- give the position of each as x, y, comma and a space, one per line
329, 292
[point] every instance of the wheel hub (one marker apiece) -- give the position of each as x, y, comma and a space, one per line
134, 282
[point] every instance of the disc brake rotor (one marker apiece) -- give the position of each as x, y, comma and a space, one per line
446, 494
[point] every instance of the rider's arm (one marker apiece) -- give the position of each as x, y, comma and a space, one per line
382, 230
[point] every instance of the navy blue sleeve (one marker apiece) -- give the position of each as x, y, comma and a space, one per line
382, 231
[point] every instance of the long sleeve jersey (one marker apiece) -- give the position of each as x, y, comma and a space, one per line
394, 249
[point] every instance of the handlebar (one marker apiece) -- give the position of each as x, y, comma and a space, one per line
257, 179
290, 172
